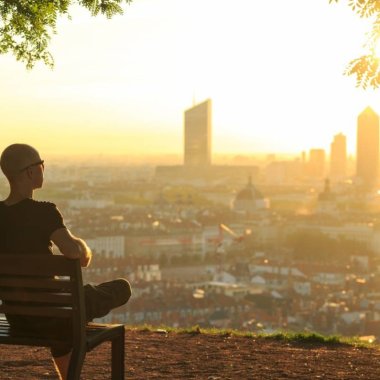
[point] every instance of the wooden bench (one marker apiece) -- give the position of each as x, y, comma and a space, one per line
60, 297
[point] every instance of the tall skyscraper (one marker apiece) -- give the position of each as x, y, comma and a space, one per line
197, 135
338, 157
367, 151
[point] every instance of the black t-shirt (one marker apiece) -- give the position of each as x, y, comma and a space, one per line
26, 227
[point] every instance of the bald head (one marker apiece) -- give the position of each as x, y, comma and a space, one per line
17, 157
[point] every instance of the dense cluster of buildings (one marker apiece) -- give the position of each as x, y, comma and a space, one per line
188, 270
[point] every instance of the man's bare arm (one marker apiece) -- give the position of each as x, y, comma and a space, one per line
71, 246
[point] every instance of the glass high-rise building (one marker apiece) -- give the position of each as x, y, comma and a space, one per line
197, 135
367, 150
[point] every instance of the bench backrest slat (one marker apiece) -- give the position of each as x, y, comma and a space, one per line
39, 283
63, 299
35, 265
51, 311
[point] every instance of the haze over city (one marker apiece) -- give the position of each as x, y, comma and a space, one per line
214, 156
274, 71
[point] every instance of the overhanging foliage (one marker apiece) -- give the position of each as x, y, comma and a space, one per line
366, 67
26, 26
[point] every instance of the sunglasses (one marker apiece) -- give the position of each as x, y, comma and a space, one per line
34, 164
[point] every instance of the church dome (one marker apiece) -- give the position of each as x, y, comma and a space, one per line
249, 199
249, 193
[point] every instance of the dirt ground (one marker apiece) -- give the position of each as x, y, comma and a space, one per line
153, 355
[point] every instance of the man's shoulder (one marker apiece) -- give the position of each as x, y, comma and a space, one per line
45, 204
48, 212
28, 204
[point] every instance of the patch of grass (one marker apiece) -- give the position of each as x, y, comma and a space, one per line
192, 330
303, 337
284, 336
315, 338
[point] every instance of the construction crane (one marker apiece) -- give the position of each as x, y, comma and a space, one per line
219, 249
237, 238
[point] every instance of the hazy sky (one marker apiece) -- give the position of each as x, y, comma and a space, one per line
273, 70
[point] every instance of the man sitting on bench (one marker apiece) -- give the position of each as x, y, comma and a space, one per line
29, 227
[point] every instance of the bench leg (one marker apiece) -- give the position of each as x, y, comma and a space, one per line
118, 357
76, 364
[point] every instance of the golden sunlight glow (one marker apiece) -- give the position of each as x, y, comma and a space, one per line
121, 86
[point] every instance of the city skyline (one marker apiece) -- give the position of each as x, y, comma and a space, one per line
120, 86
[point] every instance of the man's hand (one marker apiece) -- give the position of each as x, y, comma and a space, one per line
86, 254
71, 246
